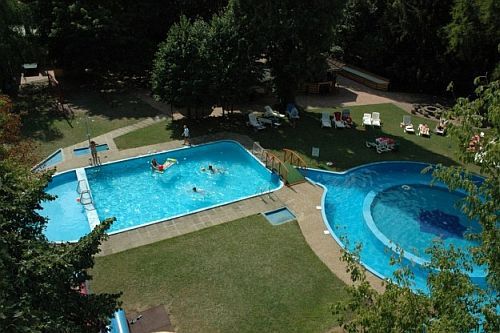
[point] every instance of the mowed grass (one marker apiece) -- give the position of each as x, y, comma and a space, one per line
91, 111
344, 147
242, 276
156, 133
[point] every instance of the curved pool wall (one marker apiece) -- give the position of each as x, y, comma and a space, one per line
344, 207
249, 178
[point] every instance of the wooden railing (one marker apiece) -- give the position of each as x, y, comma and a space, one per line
294, 159
275, 164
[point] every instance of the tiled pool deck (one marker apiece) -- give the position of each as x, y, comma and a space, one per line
302, 199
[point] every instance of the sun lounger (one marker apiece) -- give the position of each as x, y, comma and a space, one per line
376, 119
441, 127
424, 130
325, 120
254, 122
407, 125
270, 113
367, 119
337, 120
292, 111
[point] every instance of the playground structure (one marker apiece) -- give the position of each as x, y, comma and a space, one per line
286, 168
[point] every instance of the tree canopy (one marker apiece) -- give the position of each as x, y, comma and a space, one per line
292, 36
40, 281
422, 44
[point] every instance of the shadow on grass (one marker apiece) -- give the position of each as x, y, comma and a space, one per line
108, 102
39, 112
344, 147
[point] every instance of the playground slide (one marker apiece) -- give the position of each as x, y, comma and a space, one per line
119, 323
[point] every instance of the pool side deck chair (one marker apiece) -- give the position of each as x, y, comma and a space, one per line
254, 122
337, 120
424, 130
325, 120
441, 127
407, 125
376, 119
269, 112
367, 119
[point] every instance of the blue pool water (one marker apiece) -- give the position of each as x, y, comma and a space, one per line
54, 159
68, 221
383, 204
130, 191
86, 150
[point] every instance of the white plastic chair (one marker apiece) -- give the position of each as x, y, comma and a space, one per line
270, 113
407, 125
367, 119
337, 120
254, 122
376, 119
325, 120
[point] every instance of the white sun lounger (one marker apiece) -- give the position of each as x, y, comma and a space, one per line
337, 120
269, 113
254, 122
407, 125
325, 120
376, 119
367, 119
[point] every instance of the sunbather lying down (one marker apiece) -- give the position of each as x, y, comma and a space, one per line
162, 167
424, 129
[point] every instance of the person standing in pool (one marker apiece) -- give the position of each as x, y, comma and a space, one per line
185, 134
93, 152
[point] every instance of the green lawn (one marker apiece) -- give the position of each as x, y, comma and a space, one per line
344, 147
242, 276
156, 133
52, 130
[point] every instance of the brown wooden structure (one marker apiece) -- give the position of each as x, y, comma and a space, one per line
293, 158
360, 75
272, 162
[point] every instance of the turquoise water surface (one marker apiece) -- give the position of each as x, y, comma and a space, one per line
135, 195
67, 219
382, 205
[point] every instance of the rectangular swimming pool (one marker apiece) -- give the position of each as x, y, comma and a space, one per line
136, 195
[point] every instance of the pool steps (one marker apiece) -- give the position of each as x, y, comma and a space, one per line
83, 190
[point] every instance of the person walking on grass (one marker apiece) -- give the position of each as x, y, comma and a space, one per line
185, 134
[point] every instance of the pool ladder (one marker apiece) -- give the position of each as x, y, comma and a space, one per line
264, 191
85, 196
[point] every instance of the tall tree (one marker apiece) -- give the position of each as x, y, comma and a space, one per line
292, 36
181, 72
421, 44
16, 43
234, 68
474, 37
39, 280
